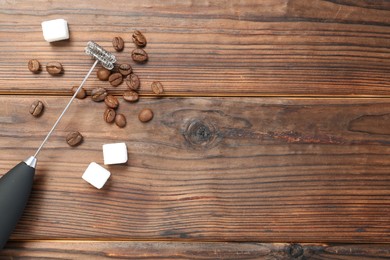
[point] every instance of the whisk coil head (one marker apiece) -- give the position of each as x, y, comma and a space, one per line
106, 58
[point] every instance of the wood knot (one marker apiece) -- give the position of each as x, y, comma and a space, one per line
295, 250
200, 133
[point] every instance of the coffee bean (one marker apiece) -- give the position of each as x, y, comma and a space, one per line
98, 94
120, 120
115, 69
132, 81
139, 56
34, 66
145, 115
111, 101
115, 79
103, 74
74, 138
125, 69
118, 43
139, 39
109, 115
54, 68
82, 93
130, 96
36, 108
157, 87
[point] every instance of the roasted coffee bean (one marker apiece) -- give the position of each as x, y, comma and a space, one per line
115, 69
120, 120
103, 74
36, 108
115, 79
139, 56
74, 138
34, 66
132, 81
82, 93
139, 39
98, 94
54, 68
109, 115
130, 96
157, 87
111, 101
118, 43
145, 115
125, 69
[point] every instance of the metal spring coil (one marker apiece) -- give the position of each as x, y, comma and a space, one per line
106, 58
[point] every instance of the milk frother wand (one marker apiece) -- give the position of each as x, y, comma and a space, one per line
16, 184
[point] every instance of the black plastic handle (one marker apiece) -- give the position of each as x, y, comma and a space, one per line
15, 189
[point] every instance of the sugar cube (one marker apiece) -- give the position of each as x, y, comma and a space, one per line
55, 30
115, 153
96, 175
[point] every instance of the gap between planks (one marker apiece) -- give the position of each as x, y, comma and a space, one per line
178, 240
188, 95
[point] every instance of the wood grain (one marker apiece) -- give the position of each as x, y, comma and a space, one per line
182, 250
243, 48
209, 169
290, 147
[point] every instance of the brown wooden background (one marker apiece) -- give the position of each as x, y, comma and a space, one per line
271, 142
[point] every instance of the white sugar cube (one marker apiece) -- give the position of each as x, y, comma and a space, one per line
96, 175
114, 153
55, 30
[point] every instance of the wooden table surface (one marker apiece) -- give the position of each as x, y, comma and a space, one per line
272, 140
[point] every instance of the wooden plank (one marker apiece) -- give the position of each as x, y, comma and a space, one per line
250, 47
209, 169
184, 250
